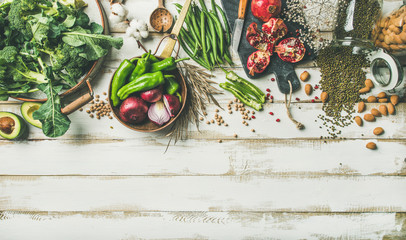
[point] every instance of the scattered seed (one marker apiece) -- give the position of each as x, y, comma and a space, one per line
278, 120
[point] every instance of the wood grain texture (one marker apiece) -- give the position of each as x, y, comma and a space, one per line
240, 158
199, 193
199, 225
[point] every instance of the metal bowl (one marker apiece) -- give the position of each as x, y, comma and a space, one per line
147, 125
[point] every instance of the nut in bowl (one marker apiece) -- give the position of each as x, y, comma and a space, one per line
147, 94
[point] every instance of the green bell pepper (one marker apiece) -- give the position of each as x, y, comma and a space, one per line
144, 82
119, 79
167, 64
171, 85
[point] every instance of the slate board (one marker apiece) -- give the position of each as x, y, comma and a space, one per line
283, 71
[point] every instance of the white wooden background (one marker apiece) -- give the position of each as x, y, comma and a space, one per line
98, 182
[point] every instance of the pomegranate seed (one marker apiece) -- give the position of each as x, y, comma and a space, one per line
316, 87
278, 120
297, 34
304, 7
253, 117
271, 113
268, 90
297, 99
316, 97
313, 101
273, 79
271, 97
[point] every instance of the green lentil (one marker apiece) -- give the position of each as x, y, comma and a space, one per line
365, 15
342, 76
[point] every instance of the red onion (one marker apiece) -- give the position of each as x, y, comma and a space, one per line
172, 104
158, 114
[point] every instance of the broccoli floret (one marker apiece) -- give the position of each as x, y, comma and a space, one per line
13, 65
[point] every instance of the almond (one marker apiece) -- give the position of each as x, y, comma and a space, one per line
383, 110
361, 107
394, 99
391, 109
383, 100
369, 117
308, 89
324, 97
369, 83
381, 95
371, 99
358, 121
371, 146
378, 131
375, 112
364, 90
304, 76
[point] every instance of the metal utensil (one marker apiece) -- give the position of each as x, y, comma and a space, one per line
238, 25
161, 19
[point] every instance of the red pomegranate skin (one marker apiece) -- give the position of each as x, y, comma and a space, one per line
258, 62
266, 9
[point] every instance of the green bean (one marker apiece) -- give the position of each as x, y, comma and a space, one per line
198, 60
219, 32
227, 57
226, 26
203, 5
189, 41
203, 36
213, 35
213, 8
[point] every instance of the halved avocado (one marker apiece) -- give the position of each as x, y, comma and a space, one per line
12, 127
27, 109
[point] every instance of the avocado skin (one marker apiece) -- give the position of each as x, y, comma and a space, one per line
23, 131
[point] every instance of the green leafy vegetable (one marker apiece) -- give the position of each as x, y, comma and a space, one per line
47, 45
54, 123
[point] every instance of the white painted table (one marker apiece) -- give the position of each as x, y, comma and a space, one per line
98, 182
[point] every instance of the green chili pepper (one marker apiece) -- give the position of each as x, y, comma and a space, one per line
119, 79
171, 85
167, 64
152, 58
144, 82
248, 87
143, 66
239, 93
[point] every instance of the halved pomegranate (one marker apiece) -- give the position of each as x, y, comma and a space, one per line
275, 29
258, 61
266, 9
291, 50
271, 32
258, 39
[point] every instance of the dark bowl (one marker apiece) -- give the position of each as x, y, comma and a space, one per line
147, 125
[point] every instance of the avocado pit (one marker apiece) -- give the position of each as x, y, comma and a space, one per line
7, 125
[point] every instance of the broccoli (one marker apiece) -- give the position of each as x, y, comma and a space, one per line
13, 65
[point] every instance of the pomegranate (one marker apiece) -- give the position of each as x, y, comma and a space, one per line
258, 61
291, 50
258, 39
264, 40
266, 9
275, 29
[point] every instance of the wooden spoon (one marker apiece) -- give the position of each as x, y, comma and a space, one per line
161, 19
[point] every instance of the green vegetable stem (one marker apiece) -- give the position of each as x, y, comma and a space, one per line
119, 79
152, 58
167, 64
144, 82
143, 66
171, 85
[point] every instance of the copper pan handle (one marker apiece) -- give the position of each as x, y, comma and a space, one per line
80, 102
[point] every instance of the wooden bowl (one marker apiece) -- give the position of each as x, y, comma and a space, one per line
147, 125
100, 17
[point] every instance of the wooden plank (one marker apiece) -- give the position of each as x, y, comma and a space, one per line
216, 193
199, 225
264, 124
239, 158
